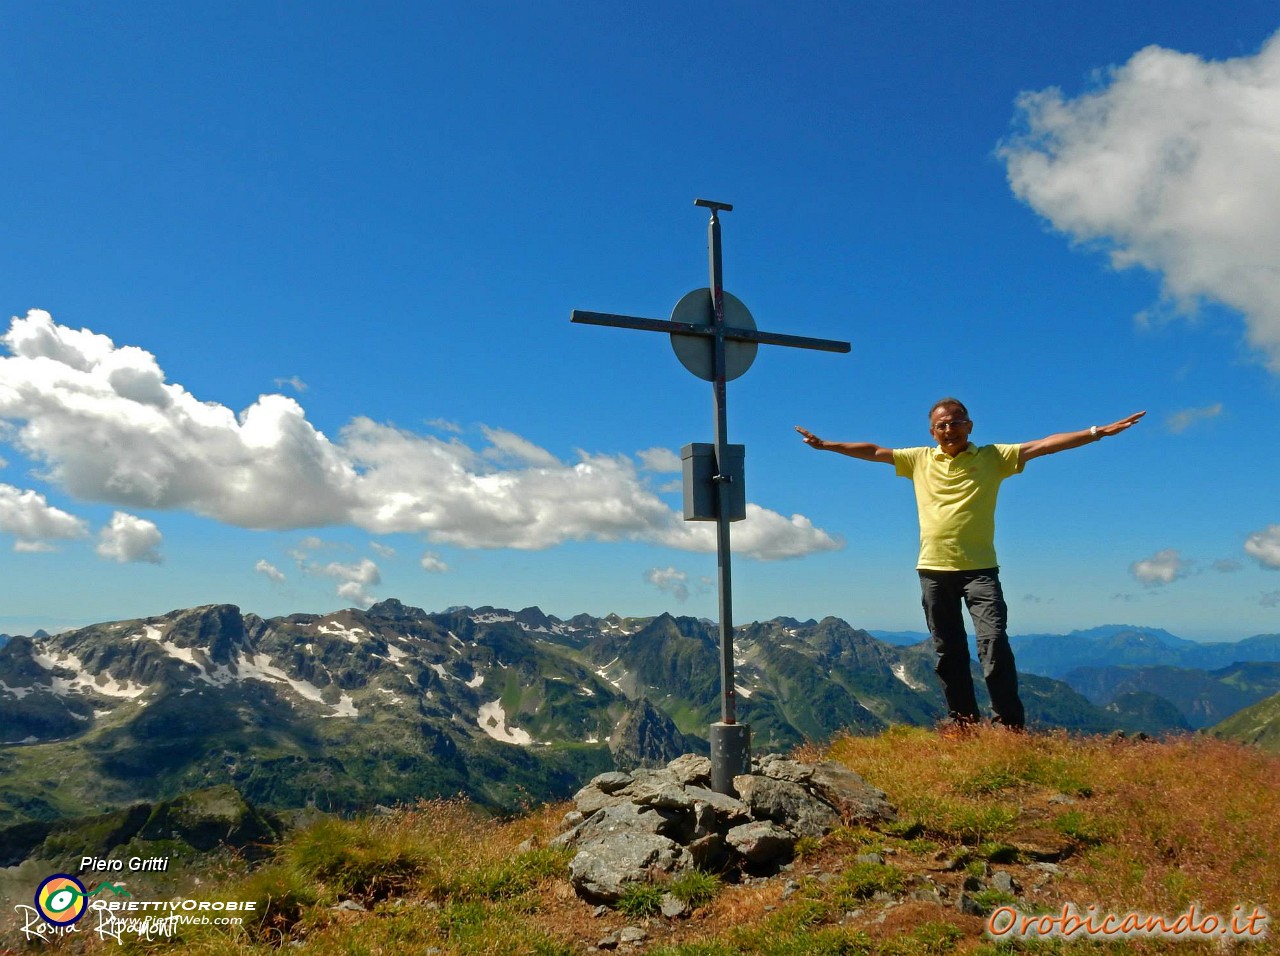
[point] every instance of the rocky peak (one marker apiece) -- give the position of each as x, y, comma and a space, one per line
534, 619
395, 610
646, 737
218, 629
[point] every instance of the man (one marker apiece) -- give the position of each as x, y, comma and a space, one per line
956, 484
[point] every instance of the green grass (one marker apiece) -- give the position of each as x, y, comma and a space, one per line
641, 900
445, 876
861, 881
695, 888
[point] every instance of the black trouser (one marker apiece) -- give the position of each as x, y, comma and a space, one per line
941, 594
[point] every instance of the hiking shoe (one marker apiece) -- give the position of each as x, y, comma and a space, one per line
955, 728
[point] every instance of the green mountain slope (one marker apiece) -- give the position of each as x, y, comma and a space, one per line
1259, 725
393, 704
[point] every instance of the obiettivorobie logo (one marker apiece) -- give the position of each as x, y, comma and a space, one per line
61, 902
62, 899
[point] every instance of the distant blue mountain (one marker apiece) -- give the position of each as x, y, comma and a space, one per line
1107, 631
1203, 698
900, 638
1118, 645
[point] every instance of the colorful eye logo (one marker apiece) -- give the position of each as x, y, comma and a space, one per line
61, 899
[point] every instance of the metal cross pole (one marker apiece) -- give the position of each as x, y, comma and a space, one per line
715, 337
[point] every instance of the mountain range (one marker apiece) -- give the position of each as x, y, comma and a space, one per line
354, 708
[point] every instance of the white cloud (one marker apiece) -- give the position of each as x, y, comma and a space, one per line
382, 550
1163, 567
770, 536
433, 563
662, 460
763, 534
355, 579
1264, 546
355, 592
302, 551
29, 517
33, 547
1180, 421
109, 428
366, 572
1170, 164
130, 539
508, 446
295, 383
270, 571
670, 581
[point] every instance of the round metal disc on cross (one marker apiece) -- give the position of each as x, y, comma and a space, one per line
697, 352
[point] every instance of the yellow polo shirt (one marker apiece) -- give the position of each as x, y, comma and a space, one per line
956, 501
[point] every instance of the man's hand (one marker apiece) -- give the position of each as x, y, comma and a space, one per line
810, 439
867, 451
1053, 444
1115, 428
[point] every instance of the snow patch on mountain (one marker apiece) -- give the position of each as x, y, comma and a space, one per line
337, 630
49, 662
493, 721
260, 667
900, 672
111, 687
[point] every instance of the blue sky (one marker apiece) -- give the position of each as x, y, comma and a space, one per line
302, 276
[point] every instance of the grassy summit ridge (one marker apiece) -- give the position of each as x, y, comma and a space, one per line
1118, 824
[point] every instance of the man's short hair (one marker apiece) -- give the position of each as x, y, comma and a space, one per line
948, 402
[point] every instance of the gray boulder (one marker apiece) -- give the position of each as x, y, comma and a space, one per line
627, 818
784, 802
628, 827
692, 770
780, 768
761, 842
857, 800
605, 866
657, 788
717, 810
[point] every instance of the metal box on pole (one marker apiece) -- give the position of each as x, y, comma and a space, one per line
701, 476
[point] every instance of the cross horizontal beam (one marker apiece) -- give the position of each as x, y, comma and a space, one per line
688, 328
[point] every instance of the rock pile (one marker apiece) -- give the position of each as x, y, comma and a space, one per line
629, 828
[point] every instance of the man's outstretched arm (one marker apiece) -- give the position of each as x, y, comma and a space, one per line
1064, 440
867, 451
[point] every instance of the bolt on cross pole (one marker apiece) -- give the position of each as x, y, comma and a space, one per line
715, 337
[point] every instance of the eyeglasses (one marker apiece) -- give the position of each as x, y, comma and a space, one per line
943, 426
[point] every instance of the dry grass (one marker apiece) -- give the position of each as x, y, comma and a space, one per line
1135, 826
1189, 820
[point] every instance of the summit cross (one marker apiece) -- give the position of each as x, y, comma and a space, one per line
715, 337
